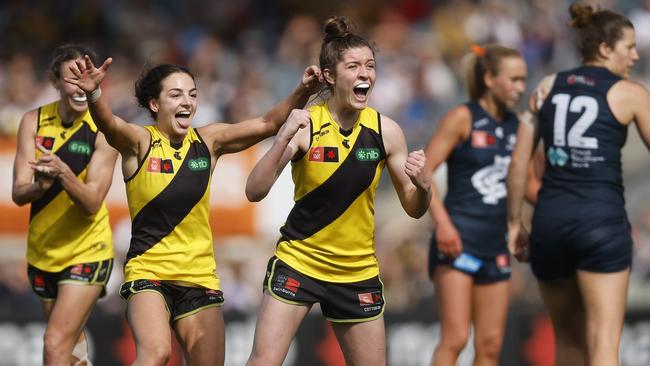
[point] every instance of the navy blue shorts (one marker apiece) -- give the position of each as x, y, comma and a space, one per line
560, 246
340, 302
485, 254
482, 269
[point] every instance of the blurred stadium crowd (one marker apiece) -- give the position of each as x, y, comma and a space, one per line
247, 54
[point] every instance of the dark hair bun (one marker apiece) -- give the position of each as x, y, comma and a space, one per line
580, 15
337, 26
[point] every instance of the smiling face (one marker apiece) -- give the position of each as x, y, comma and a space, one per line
353, 78
73, 99
175, 106
623, 56
509, 84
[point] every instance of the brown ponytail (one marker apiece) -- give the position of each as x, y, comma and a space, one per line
481, 61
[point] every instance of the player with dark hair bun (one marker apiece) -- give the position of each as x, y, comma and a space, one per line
326, 252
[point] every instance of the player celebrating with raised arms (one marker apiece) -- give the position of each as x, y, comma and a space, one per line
326, 250
170, 272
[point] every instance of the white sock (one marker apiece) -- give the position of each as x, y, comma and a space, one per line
80, 351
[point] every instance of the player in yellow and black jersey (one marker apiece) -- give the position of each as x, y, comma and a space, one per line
64, 168
170, 273
326, 250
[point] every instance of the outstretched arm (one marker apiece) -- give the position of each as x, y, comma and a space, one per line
231, 138
453, 129
123, 136
410, 179
285, 146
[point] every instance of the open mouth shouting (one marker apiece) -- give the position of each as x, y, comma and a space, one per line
361, 91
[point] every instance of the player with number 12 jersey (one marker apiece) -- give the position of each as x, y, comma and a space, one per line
583, 142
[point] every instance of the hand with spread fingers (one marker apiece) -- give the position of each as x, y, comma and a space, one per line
86, 76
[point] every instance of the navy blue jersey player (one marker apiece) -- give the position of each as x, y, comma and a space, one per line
469, 260
580, 244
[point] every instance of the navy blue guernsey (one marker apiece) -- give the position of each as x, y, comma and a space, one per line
582, 142
477, 167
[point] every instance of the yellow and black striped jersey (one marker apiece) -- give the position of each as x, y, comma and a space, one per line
329, 234
168, 200
60, 233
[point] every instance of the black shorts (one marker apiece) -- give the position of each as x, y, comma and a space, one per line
181, 301
340, 302
46, 284
482, 269
559, 246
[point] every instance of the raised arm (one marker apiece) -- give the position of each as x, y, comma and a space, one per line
231, 138
27, 185
454, 128
123, 136
292, 136
411, 181
89, 194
